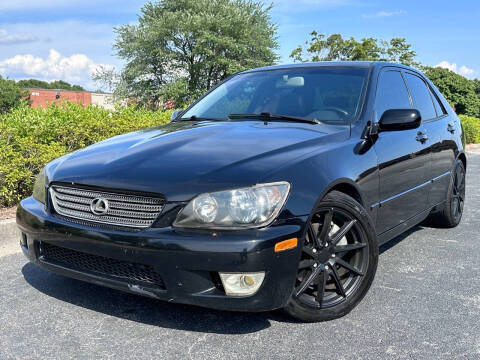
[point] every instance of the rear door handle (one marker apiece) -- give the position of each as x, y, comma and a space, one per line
422, 137
451, 128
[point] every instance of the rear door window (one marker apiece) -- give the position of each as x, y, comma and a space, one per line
391, 92
422, 100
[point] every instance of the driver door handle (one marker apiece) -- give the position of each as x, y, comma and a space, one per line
422, 137
451, 128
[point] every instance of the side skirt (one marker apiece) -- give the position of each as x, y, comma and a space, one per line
401, 228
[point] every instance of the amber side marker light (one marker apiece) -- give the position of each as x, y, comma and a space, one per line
286, 244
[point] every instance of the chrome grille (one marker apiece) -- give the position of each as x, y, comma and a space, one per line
123, 209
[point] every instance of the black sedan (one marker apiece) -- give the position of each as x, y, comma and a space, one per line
273, 190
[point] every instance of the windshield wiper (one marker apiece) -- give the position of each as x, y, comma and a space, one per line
199, 118
266, 116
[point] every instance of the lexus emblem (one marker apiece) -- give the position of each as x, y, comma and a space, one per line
99, 206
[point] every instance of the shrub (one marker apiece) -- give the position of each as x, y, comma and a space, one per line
31, 137
10, 94
471, 128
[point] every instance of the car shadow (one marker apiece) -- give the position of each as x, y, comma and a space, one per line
427, 223
147, 310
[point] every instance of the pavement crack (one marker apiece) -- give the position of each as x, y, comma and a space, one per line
199, 340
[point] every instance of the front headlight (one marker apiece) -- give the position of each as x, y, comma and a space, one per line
39, 192
250, 207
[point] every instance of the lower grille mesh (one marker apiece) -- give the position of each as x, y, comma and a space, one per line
121, 270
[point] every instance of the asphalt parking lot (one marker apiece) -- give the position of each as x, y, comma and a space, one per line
423, 304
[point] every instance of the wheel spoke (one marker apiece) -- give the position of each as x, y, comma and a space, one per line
308, 250
460, 205
312, 236
326, 226
343, 231
347, 266
306, 282
338, 283
322, 281
459, 177
349, 247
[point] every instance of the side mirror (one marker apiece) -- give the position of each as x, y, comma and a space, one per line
399, 119
175, 114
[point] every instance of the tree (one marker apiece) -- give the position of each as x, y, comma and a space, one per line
10, 94
183, 47
57, 84
399, 51
60, 84
458, 90
335, 47
476, 86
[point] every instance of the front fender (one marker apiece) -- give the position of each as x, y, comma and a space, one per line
336, 166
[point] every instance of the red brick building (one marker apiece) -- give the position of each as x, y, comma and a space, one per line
43, 97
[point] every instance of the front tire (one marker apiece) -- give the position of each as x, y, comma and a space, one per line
338, 263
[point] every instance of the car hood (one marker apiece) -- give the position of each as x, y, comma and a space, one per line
185, 158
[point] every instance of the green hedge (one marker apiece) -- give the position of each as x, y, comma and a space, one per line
471, 127
31, 137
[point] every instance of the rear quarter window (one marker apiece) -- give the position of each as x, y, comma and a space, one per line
439, 108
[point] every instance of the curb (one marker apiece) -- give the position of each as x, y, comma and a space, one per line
473, 148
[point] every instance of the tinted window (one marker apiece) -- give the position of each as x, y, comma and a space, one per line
438, 105
329, 94
391, 93
422, 100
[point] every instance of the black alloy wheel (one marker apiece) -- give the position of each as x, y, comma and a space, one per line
338, 260
458, 195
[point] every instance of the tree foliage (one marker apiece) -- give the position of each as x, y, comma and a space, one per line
321, 47
180, 48
57, 84
10, 94
461, 93
476, 86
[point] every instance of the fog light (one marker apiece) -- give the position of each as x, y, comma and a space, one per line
239, 284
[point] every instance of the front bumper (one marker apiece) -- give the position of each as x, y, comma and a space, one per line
187, 261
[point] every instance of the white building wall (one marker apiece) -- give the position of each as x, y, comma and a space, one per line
103, 100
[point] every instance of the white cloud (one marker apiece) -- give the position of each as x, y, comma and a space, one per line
384, 13
76, 68
466, 71
462, 70
21, 38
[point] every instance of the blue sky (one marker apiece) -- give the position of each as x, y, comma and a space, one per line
68, 39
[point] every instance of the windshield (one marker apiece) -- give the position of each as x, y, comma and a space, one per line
329, 94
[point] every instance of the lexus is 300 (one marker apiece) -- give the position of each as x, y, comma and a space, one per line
273, 190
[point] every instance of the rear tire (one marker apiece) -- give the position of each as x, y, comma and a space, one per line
451, 214
338, 263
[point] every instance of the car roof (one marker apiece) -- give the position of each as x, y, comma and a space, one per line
364, 64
